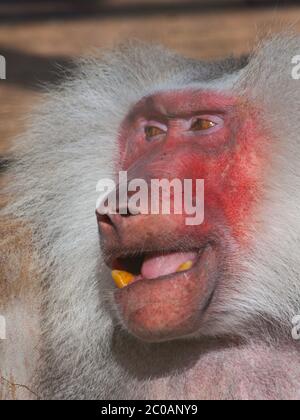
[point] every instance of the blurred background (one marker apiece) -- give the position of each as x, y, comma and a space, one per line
36, 36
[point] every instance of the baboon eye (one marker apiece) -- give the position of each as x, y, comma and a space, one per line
152, 131
202, 124
206, 124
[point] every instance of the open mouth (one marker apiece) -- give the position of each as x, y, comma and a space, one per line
152, 266
164, 295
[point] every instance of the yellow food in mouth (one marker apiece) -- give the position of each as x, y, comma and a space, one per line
122, 278
185, 266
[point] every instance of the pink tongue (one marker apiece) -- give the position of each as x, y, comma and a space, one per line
164, 265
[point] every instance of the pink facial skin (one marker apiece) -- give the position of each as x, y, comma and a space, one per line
231, 157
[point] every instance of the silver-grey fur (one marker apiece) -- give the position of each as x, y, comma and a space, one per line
70, 145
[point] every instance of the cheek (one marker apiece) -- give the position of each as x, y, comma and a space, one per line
238, 187
234, 180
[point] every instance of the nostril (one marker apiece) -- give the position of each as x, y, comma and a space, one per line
112, 219
126, 215
104, 219
128, 211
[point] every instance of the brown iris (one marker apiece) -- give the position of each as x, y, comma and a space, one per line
152, 131
202, 124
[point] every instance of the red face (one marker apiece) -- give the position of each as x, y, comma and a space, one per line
176, 269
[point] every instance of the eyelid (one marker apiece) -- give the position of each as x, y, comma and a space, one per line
156, 124
150, 127
217, 120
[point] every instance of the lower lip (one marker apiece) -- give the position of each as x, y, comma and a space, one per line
172, 306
